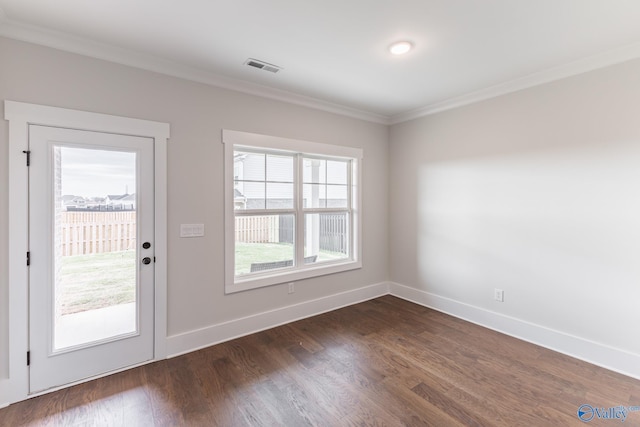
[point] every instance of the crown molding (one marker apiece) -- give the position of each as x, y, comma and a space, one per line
579, 66
86, 47
90, 48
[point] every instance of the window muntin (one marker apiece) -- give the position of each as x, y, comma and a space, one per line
325, 183
263, 180
294, 213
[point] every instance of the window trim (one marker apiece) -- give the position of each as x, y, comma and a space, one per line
232, 139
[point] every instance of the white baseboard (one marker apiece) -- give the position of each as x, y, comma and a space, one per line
614, 359
598, 354
205, 337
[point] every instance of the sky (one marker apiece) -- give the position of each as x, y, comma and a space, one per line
96, 173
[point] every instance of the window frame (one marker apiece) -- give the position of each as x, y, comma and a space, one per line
245, 141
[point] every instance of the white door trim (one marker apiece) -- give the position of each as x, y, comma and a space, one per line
20, 115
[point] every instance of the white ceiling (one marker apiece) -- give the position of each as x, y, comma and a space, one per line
334, 52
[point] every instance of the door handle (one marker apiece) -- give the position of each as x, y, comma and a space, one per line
146, 260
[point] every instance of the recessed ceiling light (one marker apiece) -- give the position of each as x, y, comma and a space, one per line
400, 48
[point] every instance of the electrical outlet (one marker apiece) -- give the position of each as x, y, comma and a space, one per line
291, 288
498, 295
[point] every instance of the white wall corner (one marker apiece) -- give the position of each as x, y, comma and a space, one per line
614, 359
226, 331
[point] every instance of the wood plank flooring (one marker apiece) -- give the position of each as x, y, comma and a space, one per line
381, 362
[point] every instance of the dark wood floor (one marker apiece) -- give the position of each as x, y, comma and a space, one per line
382, 362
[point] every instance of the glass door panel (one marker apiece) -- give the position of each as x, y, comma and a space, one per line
95, 249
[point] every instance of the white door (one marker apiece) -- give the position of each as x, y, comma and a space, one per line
91, 284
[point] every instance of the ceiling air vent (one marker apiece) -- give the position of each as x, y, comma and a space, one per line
265, 66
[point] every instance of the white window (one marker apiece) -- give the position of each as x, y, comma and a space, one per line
291, 209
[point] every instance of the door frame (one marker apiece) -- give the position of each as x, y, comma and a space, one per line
20, 115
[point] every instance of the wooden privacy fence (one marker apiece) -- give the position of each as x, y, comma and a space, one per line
257, 229
84, 233
96, 232
279, 229
333, 233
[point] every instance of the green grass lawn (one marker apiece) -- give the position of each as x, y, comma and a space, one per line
94, 281
248, 253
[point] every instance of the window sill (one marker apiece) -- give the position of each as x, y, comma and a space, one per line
277, 278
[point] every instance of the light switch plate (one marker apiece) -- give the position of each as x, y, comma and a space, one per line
191, 230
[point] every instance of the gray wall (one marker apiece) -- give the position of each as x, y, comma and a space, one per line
197, 114
536, 193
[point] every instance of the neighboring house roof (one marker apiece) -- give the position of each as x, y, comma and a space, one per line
116, 196
73, 200
120, 198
